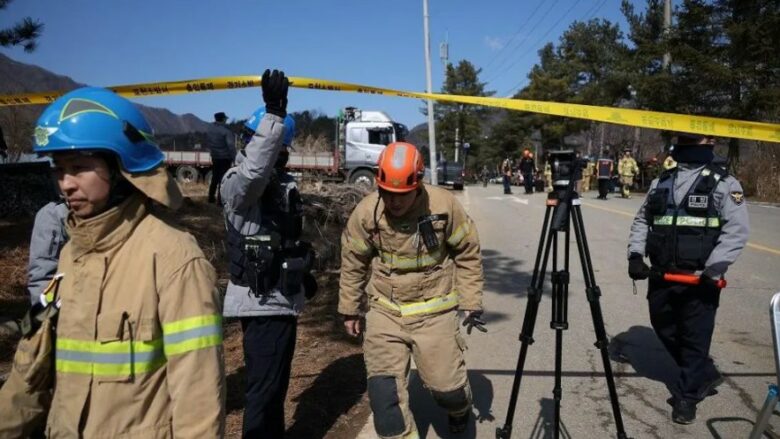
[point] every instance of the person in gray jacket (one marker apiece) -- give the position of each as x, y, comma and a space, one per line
694, 221
269, 265
222, 147
48, 238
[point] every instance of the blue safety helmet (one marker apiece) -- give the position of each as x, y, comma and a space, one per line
96, 119
289, 125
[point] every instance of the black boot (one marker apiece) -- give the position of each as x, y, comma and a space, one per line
684, 412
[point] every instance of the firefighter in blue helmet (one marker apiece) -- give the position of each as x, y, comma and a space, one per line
130, 337
693, 221
269, 264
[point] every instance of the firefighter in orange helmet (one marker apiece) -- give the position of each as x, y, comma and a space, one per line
414, 253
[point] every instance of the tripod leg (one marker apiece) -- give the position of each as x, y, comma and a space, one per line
593, 293
529, 321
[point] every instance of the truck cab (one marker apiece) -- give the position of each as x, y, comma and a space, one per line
362, 137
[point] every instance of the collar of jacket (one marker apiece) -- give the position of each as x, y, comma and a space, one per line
107, 230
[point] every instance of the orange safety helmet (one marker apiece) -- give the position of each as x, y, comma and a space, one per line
401, 168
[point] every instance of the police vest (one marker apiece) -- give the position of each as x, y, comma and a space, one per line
604, 166
683, 236
274, 258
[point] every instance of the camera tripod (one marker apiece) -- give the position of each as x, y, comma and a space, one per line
562, 212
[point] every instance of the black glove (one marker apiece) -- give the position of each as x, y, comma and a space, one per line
707, 281
474, 320
275, 86
637, 269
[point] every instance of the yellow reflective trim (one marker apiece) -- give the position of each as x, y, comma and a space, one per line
108, 369
424, 307
113, 347
457, 236
424, 260
193, 344
662, 220
191, 323
359, 245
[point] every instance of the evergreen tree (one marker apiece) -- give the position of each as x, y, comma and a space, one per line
24, 33
462, 79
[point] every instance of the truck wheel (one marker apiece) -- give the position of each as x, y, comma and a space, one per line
207, 178
186, 174
363, 177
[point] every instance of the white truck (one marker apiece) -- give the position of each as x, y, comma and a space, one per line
360, 137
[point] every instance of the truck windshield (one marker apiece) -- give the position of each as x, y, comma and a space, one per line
380, 137
400, 132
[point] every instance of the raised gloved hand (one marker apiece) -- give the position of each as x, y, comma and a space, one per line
474, 320
637, 269
275, 86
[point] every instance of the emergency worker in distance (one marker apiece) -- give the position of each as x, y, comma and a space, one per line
628, 170
411, 252
693, 221
133, 316
269, 264
604, 165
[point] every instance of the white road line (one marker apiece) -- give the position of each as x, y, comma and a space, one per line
520, 200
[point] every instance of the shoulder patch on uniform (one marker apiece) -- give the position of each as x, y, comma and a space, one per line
738, 197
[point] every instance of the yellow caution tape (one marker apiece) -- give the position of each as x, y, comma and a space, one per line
714, 126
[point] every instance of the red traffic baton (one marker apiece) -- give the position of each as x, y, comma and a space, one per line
690, 279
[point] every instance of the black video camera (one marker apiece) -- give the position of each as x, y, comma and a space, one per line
566, 165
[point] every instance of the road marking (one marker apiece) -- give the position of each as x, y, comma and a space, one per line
760, 247
515, 199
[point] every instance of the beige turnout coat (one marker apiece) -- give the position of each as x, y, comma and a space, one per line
138, 339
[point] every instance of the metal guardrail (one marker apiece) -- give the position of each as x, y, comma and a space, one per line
773, 395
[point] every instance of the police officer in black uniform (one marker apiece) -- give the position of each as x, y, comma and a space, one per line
693, 221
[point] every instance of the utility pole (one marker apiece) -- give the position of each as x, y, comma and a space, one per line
667, 28
457, 143
431, 126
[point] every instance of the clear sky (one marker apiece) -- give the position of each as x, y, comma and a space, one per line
380, 43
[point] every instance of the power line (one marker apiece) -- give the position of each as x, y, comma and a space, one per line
592, 12
530, 32
519, 29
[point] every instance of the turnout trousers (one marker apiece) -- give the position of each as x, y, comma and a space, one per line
435, 343
269, 343
683, 317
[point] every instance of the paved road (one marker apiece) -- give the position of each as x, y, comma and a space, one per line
509, 228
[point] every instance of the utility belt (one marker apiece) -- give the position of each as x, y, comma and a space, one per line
275, 264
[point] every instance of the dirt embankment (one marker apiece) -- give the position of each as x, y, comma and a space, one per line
326, 397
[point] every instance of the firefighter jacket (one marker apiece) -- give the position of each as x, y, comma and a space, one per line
387, 258
247, 214
139, 337
693, 219
627, 167
48, 237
